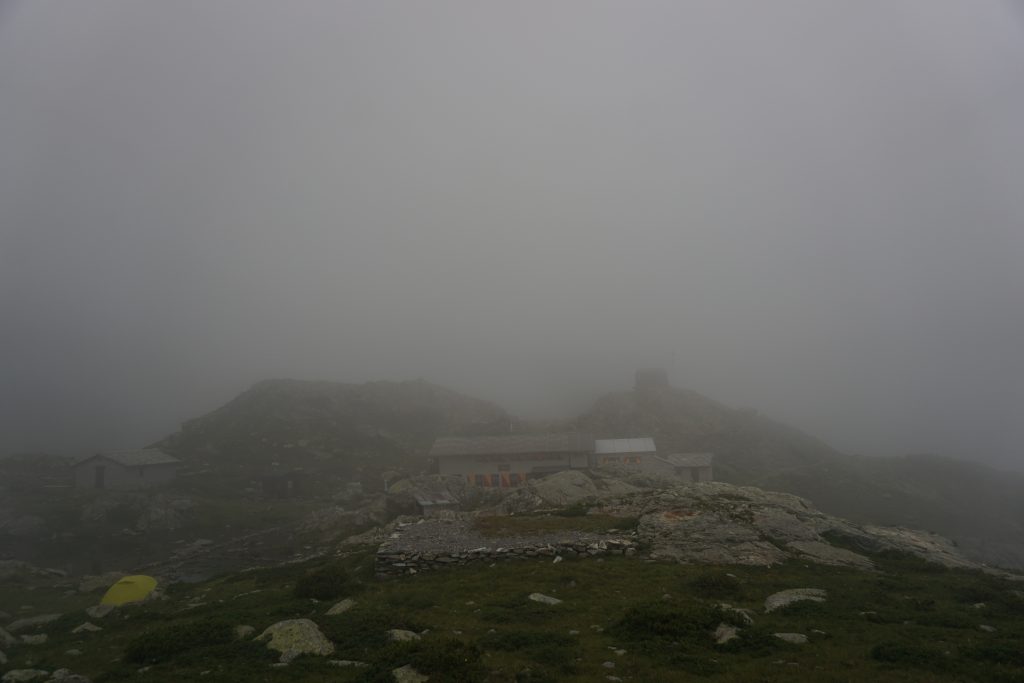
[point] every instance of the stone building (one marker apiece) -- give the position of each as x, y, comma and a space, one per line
686, 466
511, 459
125, 470
630, 453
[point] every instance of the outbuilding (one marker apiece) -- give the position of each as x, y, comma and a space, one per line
126, 470
691, 467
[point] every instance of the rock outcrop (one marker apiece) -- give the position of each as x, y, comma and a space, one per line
717, 523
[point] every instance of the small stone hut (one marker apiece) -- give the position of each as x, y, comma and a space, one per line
125, 470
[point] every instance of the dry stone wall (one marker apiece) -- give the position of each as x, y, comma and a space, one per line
431, 544
390, 563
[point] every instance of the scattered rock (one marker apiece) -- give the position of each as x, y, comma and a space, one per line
90, 583
407, 674
73, 652
987, 629
788, 597
348, 663
558, 558
243, 631
545, 599
99, 611
743, 613
294, 637
401, 635
608, 665
67, 676
35, 639
24, 675
795, 638
32, 622
87, 627
724, 633
342, 607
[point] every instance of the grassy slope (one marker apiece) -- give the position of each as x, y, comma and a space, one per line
921, 625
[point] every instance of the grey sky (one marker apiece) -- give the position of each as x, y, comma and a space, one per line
812, 208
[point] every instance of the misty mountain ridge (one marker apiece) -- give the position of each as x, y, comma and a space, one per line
276, 416
386, 424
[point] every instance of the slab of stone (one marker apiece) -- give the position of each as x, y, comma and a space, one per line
407, 674
341, 607
99, 611
32, 622
544, 599
399, 635
24, 675
788, 597
724, 633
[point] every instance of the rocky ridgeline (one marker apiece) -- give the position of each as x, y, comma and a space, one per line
432, 544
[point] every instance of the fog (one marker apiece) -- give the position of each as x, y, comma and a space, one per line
814, 209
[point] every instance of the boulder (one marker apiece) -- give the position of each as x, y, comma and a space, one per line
99, 611
545, 599
66, 676
294, 637
724, 633
407, 674
32, 622
342, 607
401, 635
788, 597
24, 675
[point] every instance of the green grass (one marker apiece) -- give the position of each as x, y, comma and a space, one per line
906, 622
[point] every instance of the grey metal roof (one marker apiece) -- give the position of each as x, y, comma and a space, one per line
689, 459
136, 457
643, 444
511, 444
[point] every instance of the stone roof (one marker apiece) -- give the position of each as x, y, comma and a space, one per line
135, 458
643, 444
511, 444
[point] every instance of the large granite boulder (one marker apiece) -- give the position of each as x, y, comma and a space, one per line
294, 637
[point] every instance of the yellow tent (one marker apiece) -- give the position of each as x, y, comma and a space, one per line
129, 589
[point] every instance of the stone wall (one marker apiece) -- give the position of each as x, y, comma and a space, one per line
391, 563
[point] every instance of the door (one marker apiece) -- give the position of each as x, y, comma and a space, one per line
101, 474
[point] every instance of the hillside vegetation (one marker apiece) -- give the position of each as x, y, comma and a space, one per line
622, 617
